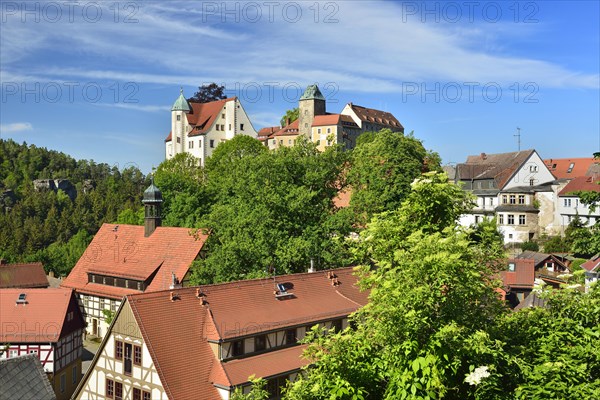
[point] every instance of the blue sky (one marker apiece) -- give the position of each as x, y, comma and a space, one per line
97, 79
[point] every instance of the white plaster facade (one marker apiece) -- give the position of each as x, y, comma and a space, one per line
230, 119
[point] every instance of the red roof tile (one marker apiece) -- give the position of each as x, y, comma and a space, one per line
39, 319
264, 365
197, 315
568, 168
523, 276
581, 184
288, 130
268, 131
127, 253
591, 265
202, 116
23, 275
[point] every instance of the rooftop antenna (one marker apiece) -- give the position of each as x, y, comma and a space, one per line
518, 136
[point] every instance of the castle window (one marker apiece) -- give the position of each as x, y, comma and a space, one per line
241, 127
217, 126
178, 140
305, 112
212, 144
223, 127
179, 118
306, 125
319, 130
191, 145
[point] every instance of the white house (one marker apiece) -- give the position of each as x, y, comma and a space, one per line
198, 128
571, 207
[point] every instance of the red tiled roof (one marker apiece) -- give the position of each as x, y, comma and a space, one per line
522, 277
268, 131
127, 253
288, 130
175, 336
591, 265
187, 325
315, 298
40, 319
202, 116
581, 184
560, 166
499, 167
263, 365
30, 275
376, 117
323, 120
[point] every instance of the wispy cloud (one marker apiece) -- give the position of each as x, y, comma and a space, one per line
137, 107
16, 127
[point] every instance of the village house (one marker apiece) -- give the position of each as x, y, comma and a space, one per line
206, 341
517, 280
571, 207
128, 259
47, 323
548, 267
197, 128
592, 271
327, 129
517, 188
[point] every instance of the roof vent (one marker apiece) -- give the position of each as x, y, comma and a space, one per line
22, 299
282, 292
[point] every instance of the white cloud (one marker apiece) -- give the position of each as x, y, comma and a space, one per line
16, 127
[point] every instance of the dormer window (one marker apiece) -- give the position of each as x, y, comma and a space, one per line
237, 348
260, 342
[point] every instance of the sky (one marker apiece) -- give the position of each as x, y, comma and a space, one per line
97, 79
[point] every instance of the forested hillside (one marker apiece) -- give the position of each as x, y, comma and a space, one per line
48, 225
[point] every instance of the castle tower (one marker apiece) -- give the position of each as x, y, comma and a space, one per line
179, 124
152, 200
311, 103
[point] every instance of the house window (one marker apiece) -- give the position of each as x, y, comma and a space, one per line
504, 199
512, 199
223, 115
290, 336
137, 394
319, 130
241, 127
531, 182
477, 219
533, 168
13, 353
212, 143
281, 142
110, 388
118, 391
190, 145
328, 130
118, 350
139, 285
229, 126
223, 127
217, 126
521, 220
179, 118
501, 219
571, 166
146, 396
289, 141
521, 199
491, 201
178, 140
137, 355
511, 219
74, 375
33, 351
567, 202
511, 267
260, 343
63, 382
237, 348
336, 326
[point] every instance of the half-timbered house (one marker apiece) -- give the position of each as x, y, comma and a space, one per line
204, 342
128, 259
49, 324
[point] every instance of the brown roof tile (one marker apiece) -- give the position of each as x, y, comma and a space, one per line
30, 275
127, 253
499, 167
377, 117
264, 365
288, 130
523, 276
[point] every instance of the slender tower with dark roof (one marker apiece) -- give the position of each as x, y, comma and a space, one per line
179, 110
152, 200
311, 103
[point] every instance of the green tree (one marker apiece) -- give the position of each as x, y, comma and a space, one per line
258, 391
383, 167
207, 93
290, 115
422, 332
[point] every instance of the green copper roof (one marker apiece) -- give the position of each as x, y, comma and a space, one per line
181, 103
312, 92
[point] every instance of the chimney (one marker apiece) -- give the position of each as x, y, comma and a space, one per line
312, 265
51, 274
